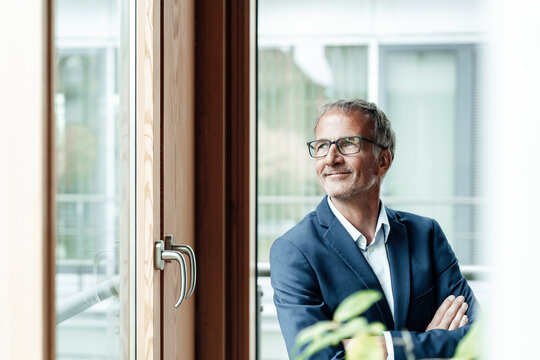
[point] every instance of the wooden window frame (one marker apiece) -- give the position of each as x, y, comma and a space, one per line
223, 105
223, 184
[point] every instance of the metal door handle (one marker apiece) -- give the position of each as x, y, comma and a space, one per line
161, 256
186, 249
175, 255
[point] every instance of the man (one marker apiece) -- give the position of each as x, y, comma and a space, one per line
353, 242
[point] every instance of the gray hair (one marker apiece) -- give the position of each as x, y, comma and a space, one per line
382, 132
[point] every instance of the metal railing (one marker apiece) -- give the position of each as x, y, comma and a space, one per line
471, 272
83, 300
84, 269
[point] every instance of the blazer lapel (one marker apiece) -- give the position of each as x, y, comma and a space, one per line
338, 239
400, 268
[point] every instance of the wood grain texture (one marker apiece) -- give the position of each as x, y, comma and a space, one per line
178, 91
148, 179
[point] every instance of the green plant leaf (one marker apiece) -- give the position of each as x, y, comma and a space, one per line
346, 324
469, 347
356, 304
329, 339
313, 332
352, 327
332, 335
376, 328
364, 347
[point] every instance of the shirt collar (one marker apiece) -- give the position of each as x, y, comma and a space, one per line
382, 222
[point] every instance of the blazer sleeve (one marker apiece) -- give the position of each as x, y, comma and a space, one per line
297, 296
448, 281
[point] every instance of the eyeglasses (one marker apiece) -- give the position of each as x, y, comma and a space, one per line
346, 146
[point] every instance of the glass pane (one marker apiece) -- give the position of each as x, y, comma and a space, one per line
300, 66
420, 94
92, 105
292, 83
436, 168
416, 61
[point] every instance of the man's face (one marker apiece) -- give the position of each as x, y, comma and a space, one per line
347, 176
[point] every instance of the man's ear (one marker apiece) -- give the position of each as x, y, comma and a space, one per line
385, 160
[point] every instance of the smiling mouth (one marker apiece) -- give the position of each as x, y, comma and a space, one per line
338, 174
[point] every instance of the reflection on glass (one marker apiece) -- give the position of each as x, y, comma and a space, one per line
420, 94
434, 174
92, 179
384, 52
293, 82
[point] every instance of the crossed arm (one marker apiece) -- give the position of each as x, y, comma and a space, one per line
449, 316
299, 284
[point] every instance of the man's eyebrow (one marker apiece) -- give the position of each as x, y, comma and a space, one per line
341, 137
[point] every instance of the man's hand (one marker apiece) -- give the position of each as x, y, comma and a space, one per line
382, 342
347, 343
450, 315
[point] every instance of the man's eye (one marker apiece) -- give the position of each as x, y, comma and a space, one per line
347, 143
322, 146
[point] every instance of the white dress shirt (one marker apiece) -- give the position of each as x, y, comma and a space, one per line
376, 256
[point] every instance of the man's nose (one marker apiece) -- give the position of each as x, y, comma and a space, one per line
333, 155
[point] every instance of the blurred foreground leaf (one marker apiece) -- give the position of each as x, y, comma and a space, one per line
312, 333
469, 347
330, 339
376, 328
364, 347
352, 327
315, 330
356, 304
346, 325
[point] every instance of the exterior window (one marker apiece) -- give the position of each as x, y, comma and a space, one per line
92, 178
427, 93
293, 82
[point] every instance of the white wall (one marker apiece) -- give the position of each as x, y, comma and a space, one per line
514, 74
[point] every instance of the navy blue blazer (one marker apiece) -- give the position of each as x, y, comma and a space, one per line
316, 264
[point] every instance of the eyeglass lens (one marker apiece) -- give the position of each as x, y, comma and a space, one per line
346, 145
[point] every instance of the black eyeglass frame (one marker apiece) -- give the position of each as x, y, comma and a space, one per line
330, 142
